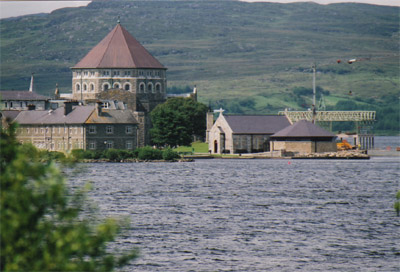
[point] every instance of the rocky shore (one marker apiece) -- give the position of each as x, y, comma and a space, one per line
347, 155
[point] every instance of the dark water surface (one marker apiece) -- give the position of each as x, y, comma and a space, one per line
254, 215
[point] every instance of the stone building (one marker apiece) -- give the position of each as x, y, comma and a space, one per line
120, 69
303, 137
243, 133
78, 127
23, 100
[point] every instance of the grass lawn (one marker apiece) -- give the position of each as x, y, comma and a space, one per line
196, 147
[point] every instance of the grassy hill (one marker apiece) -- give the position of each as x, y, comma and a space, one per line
245, 57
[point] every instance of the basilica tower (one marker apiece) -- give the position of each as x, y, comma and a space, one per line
120, 62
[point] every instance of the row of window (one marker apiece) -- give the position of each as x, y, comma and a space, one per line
72, 130
126, 86
61, 145
107, 73
110, 129
108, 144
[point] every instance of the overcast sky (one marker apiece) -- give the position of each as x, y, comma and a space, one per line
17, 8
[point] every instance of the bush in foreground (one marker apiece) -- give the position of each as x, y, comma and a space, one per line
40, 222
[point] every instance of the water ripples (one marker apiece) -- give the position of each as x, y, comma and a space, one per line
254, 215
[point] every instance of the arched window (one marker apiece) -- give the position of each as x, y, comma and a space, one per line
78, 87
141, 87
158, 87
91, 87
116, 85
106, 86
150, 87
84, 87
127, 87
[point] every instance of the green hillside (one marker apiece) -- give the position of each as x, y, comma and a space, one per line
245, 57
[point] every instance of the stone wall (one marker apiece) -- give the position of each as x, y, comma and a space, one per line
216, 145
303, 147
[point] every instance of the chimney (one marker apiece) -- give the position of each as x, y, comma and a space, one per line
67, 108
99, 108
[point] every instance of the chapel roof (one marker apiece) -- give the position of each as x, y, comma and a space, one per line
303, 129
256, 124
21, 95
119, 49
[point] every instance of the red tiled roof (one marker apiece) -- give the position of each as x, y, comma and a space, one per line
119, 49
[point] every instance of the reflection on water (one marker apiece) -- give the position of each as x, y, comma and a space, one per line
254, 215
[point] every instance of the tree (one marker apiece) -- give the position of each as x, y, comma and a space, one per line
176, 121
41, 225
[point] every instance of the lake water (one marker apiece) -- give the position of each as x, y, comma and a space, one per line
254, 215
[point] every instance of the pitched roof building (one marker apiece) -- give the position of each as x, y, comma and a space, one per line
120, 69
244, 133
78, 127
21, 100
304, 137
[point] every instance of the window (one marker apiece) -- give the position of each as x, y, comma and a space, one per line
149, 73
109, 129
85, 73
116, 73
106, 105
84, 87
158, 73
116, 85
127, 73
141, 87
158, 87
92, 145
106, 73
106, 86
92, 74
129, 145
109, 144
5, 104
127, 87
91, 87
141, 73
150, 87
128, 129
92, 129
11, 104
77, 87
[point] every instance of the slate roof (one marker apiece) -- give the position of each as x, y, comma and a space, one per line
10, 114
78, 115
119, 49
256, 124
113, 117
303, 129
22, 95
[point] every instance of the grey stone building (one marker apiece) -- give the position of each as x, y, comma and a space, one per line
23, 100
244, 133
78, 127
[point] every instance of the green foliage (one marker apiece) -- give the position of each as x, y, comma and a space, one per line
112, 154
397, 203
169, 155
177, 120
149, 153
41, 225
